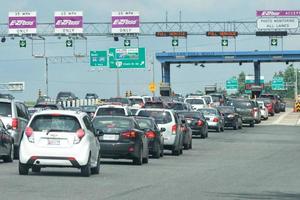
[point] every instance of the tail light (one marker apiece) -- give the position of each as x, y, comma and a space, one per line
215, 120
142, 105
79, 135
174, 129
29, 134
199, 123
255, 109
252, 112
129, 134
183, 129
150, 134
269, 105
14, 123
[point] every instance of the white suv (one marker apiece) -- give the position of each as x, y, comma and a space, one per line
196, 102
60, 138
114, 110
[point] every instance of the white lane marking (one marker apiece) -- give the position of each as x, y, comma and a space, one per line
281, 117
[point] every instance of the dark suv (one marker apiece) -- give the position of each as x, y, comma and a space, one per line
65, 96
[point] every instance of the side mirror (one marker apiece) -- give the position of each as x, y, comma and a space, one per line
8, 127
99, 133
162, 129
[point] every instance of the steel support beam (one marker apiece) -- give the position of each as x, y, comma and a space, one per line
257, 73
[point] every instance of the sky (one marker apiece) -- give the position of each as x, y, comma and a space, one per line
18, 64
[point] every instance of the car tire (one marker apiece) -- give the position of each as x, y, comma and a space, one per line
156, 154
236, 126
145, 160
222, 129
218, 129
96, 170
251, 124
16, 152
86, 169
23, 169
36, 169
139, 159
176, 152
10, 157
191, 145
241, 126
272, 114
162, 151
186, 146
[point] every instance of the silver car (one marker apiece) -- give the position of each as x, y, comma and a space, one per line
214, 118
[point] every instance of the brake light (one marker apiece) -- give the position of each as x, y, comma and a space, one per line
183, 129
14, 123
215, 120
129, 134
55, 115
174, 129
29, 134
150, 134
269, 105
80, 134
199, 123
252, 112
255, 109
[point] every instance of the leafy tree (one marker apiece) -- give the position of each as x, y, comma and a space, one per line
241, 82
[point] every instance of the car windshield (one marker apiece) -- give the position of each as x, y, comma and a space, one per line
215, 98
145, 123
207, 100
112, 124
194, 101
5, 109
55, 122
111, 111
208, 111
161, 117
136, 101
226, 109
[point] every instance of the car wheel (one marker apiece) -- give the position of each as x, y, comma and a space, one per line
86, 169
23, 169
191, 144
186, 146
241, 126
36, 169
162, 151
96, 170
10, 157
222, 129
218, 129
139, 159
236, 126
145, 160
251, 124
16, 152
175, 151
157, 152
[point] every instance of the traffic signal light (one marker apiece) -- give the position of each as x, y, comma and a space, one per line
130, 93
40, 93
126, 94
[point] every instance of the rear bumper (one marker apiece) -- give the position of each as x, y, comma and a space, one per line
248, 120
119, 150
49, 161
213, 125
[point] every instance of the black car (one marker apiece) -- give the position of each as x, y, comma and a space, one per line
196, 122
282, 104
122, 138
154, 135
91, 96
231, 117
65, 96
6, 144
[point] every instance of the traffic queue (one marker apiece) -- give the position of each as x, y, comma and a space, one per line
134, 128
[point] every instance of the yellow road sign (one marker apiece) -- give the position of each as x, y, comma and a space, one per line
152, 87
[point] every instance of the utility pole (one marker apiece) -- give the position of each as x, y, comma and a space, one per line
46, 76
296, 83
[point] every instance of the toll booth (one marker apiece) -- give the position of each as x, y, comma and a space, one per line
165, 89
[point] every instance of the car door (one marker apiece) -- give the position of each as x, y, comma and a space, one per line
94, 142
4, 140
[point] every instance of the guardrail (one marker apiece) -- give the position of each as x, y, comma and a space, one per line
77, 102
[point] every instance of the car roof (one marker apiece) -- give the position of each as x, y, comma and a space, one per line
62, 112
112, 106
157, 109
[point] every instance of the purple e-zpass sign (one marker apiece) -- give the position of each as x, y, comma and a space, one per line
22, 23
125, 22
277, 13
68, 22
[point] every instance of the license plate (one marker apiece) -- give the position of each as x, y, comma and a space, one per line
53, 142
110, 137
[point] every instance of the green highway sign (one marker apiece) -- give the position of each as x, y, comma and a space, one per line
274, 42
224, 42
175, 42
278, 83
127, 58
98, 58
232, 84
126, 43
69, 43
22, 43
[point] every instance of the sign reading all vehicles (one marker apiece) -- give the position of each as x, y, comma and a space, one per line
127, 58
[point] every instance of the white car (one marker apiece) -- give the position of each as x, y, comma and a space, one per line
263, 110
60, 138
137, 101
114, 110
196, 102
169, 120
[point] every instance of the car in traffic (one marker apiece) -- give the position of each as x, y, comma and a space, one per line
196, 122
48, 105
91, 96
214, 118
113, 110
187, 133
177, 105
245, 108
122, 138
263, 110
60, 138
118, 101
137, 101
14, 115
90, 110
274, 99
154, 135
65, 96
196, 102
6, 144
218, 99
156, 104
268, 104
256, 110
231, 117
169, 120
282, 104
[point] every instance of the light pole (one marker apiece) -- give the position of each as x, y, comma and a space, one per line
46, 71
296, 83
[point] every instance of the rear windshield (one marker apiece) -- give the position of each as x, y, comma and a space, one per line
111, 111
51, 107
190, 114
194, 101
136, 101
145, 123
88, 108
176, 106
208, 111
161, 117
207, 100
267, 96
53, 122
5, 109
243, 104
154, 105
112, 124
216, 98
226, 109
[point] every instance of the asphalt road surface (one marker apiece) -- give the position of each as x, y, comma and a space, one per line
252, 163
